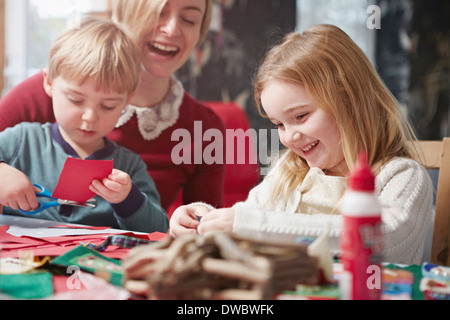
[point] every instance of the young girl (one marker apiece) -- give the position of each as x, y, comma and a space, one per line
167, 32
92, 73
328, 103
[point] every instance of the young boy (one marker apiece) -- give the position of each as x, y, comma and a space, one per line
93, 71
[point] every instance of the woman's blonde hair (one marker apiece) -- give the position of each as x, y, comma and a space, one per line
138, 15
97, 49
339, 78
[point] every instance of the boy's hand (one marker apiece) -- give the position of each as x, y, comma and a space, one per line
16, 190
113, 189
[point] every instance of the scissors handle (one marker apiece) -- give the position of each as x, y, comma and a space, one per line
42, 206
43, 193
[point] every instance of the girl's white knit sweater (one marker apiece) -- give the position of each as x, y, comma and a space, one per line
404, 191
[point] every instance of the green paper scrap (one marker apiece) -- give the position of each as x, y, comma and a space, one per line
417, 273
326, 292
36, 285
91, 261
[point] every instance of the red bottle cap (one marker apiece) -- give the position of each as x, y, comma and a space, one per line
362, 178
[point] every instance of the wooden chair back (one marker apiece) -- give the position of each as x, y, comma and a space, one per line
436, 155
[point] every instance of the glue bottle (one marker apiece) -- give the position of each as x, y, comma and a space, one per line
361, 239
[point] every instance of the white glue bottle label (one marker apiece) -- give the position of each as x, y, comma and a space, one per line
361, 239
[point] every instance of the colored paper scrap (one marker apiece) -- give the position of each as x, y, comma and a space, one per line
397, 284
92, 261
64, 226
307, 292
76, 177
18, 265
434, 289
437, 272
36, 285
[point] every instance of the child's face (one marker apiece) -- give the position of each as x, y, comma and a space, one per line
84, 114
169, 43
305, 129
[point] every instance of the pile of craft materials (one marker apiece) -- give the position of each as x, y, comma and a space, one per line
224, 266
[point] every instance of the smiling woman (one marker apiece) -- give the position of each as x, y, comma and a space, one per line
177, 28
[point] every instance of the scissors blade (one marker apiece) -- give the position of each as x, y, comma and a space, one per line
89, 204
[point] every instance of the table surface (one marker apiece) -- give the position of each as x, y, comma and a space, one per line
36, 229
54, 238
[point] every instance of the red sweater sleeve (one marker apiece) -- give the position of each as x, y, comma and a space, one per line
26, 102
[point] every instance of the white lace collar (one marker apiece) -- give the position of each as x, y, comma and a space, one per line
152, 121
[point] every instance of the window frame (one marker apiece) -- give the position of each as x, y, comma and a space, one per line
14, 66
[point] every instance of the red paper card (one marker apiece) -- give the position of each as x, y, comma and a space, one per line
76, 177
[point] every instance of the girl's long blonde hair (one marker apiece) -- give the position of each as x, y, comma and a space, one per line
339, 78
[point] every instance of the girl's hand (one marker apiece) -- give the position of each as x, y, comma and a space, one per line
185, 219
114, 189
217, 220
16, 190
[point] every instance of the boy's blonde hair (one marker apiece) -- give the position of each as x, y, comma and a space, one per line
138, 15
340, 79
100, 50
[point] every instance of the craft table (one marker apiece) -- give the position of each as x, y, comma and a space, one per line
21, 236
42, 238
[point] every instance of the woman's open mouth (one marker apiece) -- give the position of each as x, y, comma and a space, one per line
163, 50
